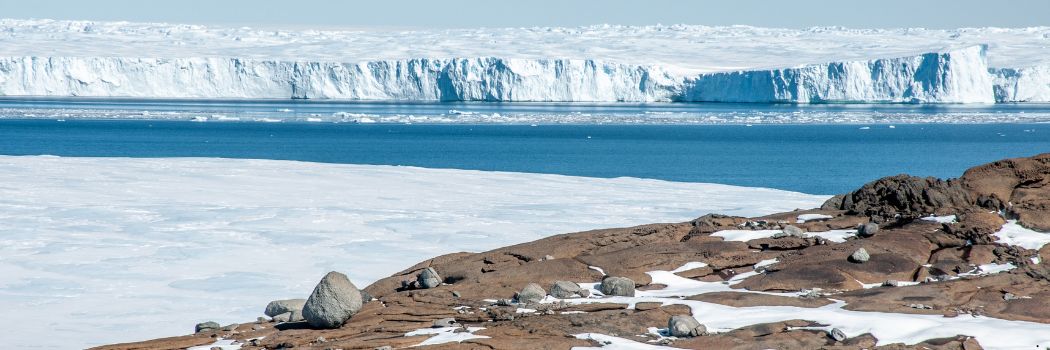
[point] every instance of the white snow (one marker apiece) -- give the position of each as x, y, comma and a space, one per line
1014, 234
889, 328
837, 236
224, 344
446, 335
103, 250
594, 63
947, 219
801, 219
614, 343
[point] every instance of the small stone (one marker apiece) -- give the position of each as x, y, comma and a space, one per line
617, 286
285, 317
257, 327
548, 257
456, 294
230, 327
920, 306
504, 302
215, 348
428, 278
320, 340
793, 231
385, 347
860, 256
206, 326
779, 235
1009, 296
837, 334
445, 322
334, 300
891, 283
868, 229
278, 307
685, 326
566, 290
532, 293
261, 319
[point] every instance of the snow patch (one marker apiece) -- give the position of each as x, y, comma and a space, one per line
1013, 233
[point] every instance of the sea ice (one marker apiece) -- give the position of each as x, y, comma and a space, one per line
103, 250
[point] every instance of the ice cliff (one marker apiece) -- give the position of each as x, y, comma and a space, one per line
952, 76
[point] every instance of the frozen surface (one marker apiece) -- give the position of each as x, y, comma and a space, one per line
101, 250
1014, 234
446, 335
837, 236
595, 63
889, 328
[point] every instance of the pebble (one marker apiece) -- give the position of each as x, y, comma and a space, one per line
1010, 296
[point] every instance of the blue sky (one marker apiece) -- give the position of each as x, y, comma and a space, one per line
474, 13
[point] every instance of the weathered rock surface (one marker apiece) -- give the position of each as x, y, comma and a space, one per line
428, 278
334, 300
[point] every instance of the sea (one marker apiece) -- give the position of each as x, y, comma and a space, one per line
820, 149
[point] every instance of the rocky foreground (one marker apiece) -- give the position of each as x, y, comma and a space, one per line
920, 262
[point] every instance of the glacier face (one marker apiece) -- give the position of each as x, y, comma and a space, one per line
474, 79
952, 76
956, 76
584, 64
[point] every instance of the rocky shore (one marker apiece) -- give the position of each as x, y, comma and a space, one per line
901, 262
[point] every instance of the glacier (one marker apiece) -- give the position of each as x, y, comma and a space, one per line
587, 64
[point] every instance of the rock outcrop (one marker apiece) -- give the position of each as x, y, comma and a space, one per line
910, 266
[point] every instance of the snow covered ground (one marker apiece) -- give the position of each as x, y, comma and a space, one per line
596, 63
98, 250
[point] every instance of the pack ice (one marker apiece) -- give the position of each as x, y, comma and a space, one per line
593, 64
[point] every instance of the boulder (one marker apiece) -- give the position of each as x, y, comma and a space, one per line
532, 293
683, 326
206, 326
617, 286
285, 317
860, 256
334, 300
428, 278
793, 231
295, 316
278, 307
868, 229
566, 289
905, 198
837, 334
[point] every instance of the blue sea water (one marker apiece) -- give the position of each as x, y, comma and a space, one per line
819, 159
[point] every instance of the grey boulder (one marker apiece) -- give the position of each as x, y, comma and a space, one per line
567, 289
837, 334
860, 256
285, 317
428, 278
617, 286
206, 326
685, 326
868, 229
334, 300
532, 293
278, 307
793, 231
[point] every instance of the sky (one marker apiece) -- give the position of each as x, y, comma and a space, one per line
500, 13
